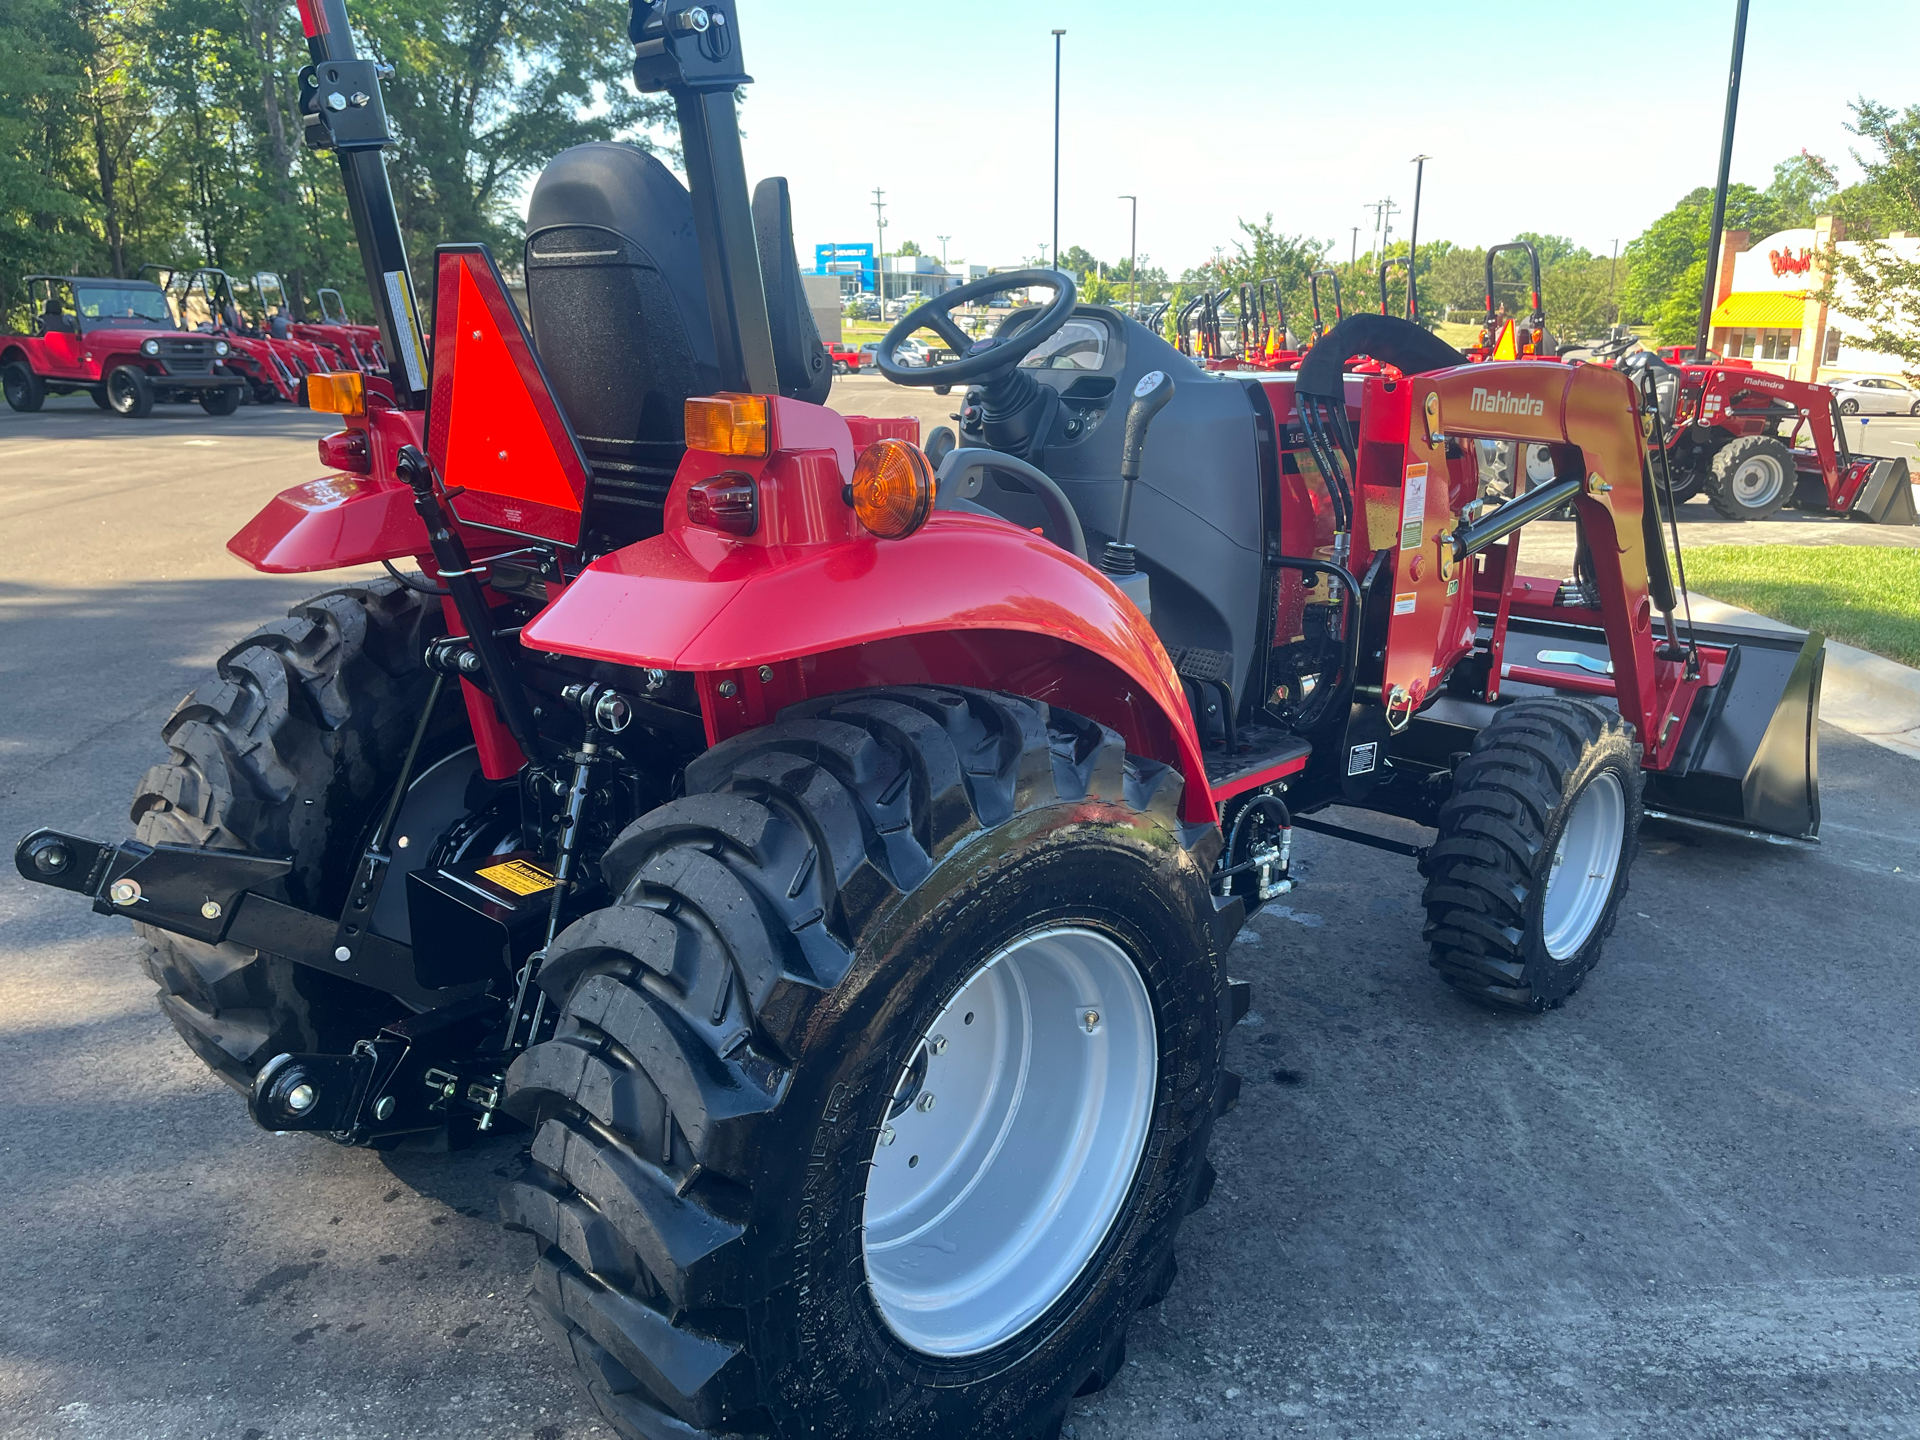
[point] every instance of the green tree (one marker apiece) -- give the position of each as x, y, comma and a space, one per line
46, 222
1802, 190
1667, 263
1882, 287
908, 247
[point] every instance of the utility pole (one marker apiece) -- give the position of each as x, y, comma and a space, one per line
1353, 257
1720, 187
1612, 270
1413, 240
1133, 259
880, 248
1056, 144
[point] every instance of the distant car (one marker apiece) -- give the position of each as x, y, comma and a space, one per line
1875, 395
846, 361
911, 354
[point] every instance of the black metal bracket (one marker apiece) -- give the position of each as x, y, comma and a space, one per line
208, 895
341, 107
417, 1074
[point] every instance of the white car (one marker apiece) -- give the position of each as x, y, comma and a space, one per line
1876, 395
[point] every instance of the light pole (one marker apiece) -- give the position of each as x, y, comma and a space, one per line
1720, 187
1413, 240
1056, 145
943, 249
880, 248
1612, 270
1353, 260
1133, 259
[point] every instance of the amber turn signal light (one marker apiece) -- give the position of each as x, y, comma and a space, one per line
728, 424
727, 501
892, 489
339, 392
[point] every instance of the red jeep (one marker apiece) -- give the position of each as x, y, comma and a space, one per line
117, 341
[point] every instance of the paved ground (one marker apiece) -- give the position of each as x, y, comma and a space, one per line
1684, 1205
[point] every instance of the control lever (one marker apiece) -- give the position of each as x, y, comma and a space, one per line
1150, 397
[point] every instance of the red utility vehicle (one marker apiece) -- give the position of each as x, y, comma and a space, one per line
116, 341
208, 301
844, 358
832, 863
358, 345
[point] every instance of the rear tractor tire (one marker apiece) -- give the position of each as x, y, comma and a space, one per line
1525, 879
288, 753
879, 1093
1752, 476
25, 391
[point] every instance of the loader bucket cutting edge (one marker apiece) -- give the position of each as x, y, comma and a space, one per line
1750, 756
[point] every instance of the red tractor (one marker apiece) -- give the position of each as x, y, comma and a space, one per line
1755, 441
209, 301
832, 863
116, 341
358, 345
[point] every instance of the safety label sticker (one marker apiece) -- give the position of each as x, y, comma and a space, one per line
1362, 758
522, 877
1406, 604
1413, 508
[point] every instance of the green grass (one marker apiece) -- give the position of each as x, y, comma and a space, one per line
1864, 595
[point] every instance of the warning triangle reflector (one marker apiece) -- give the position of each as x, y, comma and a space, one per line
494, 428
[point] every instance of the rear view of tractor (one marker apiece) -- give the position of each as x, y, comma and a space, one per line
826, 861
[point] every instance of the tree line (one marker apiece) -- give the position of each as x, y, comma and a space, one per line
166, 132
1653, 284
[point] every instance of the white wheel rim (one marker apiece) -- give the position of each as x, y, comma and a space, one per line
1757, 480
983, 1208
1584, 866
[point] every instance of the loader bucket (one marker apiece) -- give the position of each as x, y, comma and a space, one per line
1749, 757
1887, 497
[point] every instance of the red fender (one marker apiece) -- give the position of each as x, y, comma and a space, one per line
967, 599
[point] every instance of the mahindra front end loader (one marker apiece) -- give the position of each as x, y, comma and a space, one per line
828, 862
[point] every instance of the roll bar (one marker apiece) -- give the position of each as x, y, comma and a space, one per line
1313, 293
1536, 318
1387, 267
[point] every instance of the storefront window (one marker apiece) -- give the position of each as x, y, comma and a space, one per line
1831, 354
1779, 344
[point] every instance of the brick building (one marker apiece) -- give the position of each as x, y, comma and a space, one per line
1767, 309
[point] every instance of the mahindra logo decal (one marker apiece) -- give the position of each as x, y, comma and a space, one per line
1499, 402
1790, 261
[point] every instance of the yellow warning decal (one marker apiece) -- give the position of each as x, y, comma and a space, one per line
522, 877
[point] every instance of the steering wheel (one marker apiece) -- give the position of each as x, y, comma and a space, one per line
992, 355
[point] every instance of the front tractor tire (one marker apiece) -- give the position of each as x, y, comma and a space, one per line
221, 401
25, 391
1525, 879
879, 1093
287, 753
1752, 476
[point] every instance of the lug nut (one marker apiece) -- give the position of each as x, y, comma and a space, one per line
124, 892
926, 1101
211, 910
937, 1045
1091, 1020
300, 1099
886, 1134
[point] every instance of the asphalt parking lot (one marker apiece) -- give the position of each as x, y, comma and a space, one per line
1683, 1205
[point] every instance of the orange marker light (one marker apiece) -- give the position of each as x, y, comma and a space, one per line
892, 488
341, 392
728, 424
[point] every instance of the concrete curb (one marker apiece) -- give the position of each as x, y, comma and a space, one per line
1860, 692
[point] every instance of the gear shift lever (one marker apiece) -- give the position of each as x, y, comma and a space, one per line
1150, 397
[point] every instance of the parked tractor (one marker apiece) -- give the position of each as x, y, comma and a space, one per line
116, 341
209, 301
831, 861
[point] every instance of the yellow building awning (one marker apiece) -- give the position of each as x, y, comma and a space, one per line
1762, 310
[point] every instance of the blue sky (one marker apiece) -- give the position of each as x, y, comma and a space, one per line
1585, 119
